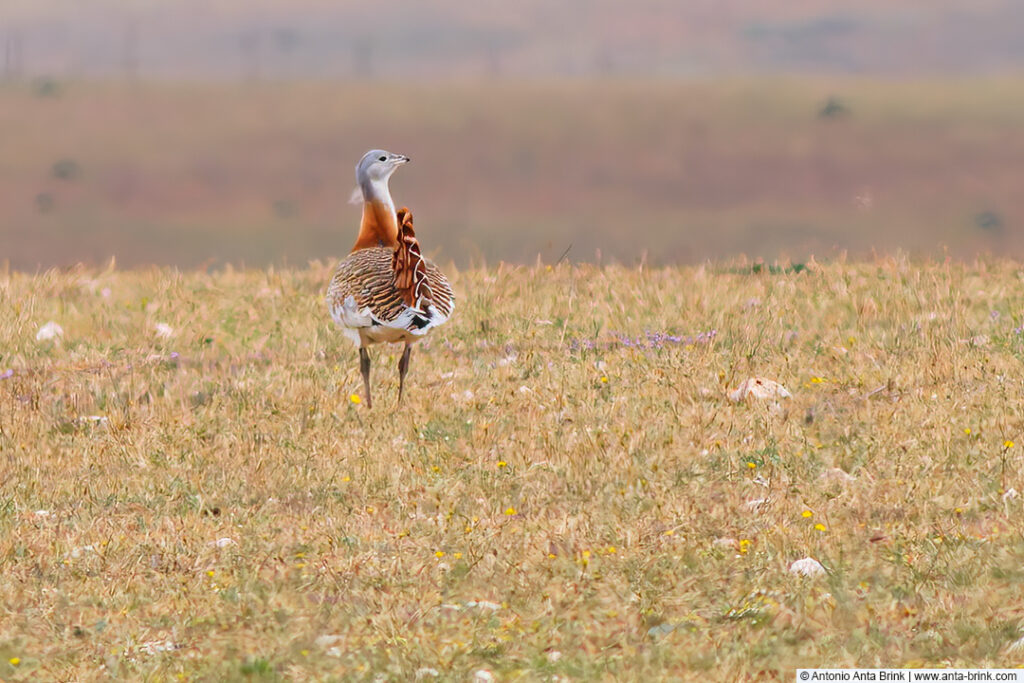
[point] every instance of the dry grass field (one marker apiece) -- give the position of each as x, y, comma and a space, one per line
188, 490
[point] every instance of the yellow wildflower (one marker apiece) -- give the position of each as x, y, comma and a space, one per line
14, 661
355, 399
819, 526
510, 511
807, 514
439, 554
752, 465
967, 431
1007, 444
604, 379
502, 463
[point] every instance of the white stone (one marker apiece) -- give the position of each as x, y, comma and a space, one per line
759, 388
327, 639
808, 566
50, 330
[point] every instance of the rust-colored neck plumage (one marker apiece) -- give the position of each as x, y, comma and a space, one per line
379, 227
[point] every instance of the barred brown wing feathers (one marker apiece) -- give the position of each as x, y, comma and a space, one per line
384, 301
367, 276
443, 297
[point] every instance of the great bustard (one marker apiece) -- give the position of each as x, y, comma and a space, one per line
386, 290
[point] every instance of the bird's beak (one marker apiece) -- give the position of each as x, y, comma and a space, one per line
402, 159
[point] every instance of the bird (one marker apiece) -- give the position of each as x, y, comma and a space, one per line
385, 290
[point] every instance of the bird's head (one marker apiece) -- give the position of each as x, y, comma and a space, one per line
378, 165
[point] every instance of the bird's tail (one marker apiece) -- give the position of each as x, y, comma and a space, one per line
408, 264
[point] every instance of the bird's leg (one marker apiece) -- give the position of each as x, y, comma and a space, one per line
403, 367
364, 366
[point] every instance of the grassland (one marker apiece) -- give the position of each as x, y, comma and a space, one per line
556, 497
182, 174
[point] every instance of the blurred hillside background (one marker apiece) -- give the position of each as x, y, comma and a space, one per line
192, 133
